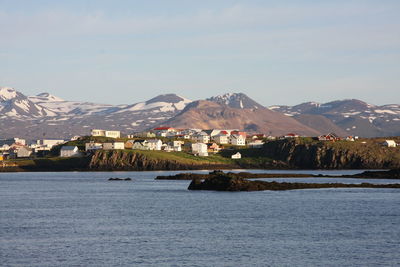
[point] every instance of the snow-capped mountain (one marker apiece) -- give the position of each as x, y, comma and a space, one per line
46, 115
354, 116
236, 100
65, 108
16, 105
49, 116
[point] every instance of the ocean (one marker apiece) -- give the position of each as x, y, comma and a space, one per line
82, 219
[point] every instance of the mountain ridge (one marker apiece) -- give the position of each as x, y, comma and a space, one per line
46, 115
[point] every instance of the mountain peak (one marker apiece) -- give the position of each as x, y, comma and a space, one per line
168, 98
236, 100
7, 93
47, 97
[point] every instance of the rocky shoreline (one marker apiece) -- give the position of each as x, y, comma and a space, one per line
390, 174
227, 182
245, 175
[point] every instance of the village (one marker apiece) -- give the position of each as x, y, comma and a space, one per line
198, 142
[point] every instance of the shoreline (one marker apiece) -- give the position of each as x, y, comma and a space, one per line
377, 174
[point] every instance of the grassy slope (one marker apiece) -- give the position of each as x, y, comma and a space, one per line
182, 157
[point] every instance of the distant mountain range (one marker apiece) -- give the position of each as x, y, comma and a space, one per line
353, 116
48, 116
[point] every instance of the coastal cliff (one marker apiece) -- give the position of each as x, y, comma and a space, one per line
301, 153
151, 160
305, 153
296, 153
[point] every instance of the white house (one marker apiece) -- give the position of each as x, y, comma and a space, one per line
201, 137
199, 149
106, 133
256, 144
170, 148
140, 145
69, 151
236, 156
174, 146
221, 138
24, 152
390, 143
237, 140
154, 144
93, 146
49, 142
114, 145
97, 132
164, 131
113, 134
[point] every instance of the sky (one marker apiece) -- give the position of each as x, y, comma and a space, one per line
276, 52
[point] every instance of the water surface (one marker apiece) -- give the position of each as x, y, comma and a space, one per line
81, 219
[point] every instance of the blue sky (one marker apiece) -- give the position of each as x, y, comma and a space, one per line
277, 52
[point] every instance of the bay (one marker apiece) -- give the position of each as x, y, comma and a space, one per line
81, 219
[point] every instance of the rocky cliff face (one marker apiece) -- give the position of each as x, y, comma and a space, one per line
122, 160
326, 155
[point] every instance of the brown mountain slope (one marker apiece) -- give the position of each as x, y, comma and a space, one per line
206, 115
320, 123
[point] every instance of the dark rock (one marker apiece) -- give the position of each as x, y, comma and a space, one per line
191, 176
120, 179
226, 182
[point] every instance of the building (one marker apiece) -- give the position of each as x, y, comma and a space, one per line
199, 149
201, 137
106, 133
24, 152
49, 142
142, 135
256, 144
10, 141
170, 148
236, 156
92, 146
390, 143
75, 137
174, 146
214, 147
237, 140
221, 138
69, 151
163, 131
291, 135
329, 137
98, 132
244, 134
140, 145
154, 144
113, 145
212, 132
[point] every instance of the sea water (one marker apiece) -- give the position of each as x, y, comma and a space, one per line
82, 219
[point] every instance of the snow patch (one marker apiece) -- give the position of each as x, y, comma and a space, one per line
7, 93
380, 111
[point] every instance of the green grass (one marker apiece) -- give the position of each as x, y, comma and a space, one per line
183, 157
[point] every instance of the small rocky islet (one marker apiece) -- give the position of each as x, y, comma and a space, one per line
119, 179
220, 181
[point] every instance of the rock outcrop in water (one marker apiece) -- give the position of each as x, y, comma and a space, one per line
226, 182
191, 176
391, 174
